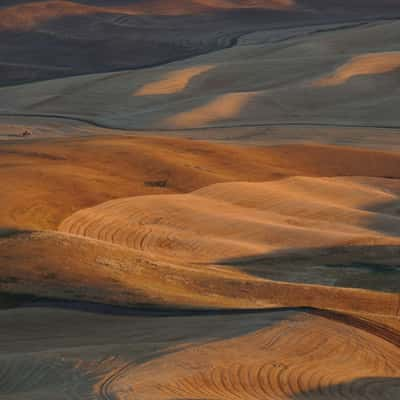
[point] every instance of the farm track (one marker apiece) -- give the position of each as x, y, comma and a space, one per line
205, 128
388, 334
105, 386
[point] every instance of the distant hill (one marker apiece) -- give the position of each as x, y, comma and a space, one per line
55, 38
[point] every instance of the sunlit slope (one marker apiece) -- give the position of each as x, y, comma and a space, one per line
302, 357
282, 354
364, 65
248, 219
341, 76
56, 265
46, 181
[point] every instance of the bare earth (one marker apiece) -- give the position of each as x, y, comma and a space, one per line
224, 225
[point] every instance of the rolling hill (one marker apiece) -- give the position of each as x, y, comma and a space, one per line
55, 38
204, 203
330, 75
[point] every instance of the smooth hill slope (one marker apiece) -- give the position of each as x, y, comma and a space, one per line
67, 267
364, 65
268, 355
233, 220
349, 349
27, 15
381, 139
303, 357
45, 181
281, 354
55, 38
272, 77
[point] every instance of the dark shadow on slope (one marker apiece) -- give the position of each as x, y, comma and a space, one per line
387, 215
49, 328
375, 388
15, 300
105, 42
83, 44
366, 267
11, 232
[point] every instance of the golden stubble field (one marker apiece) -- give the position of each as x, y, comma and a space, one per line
222, 227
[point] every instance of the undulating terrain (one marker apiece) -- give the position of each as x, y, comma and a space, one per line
43, 39
200, 199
